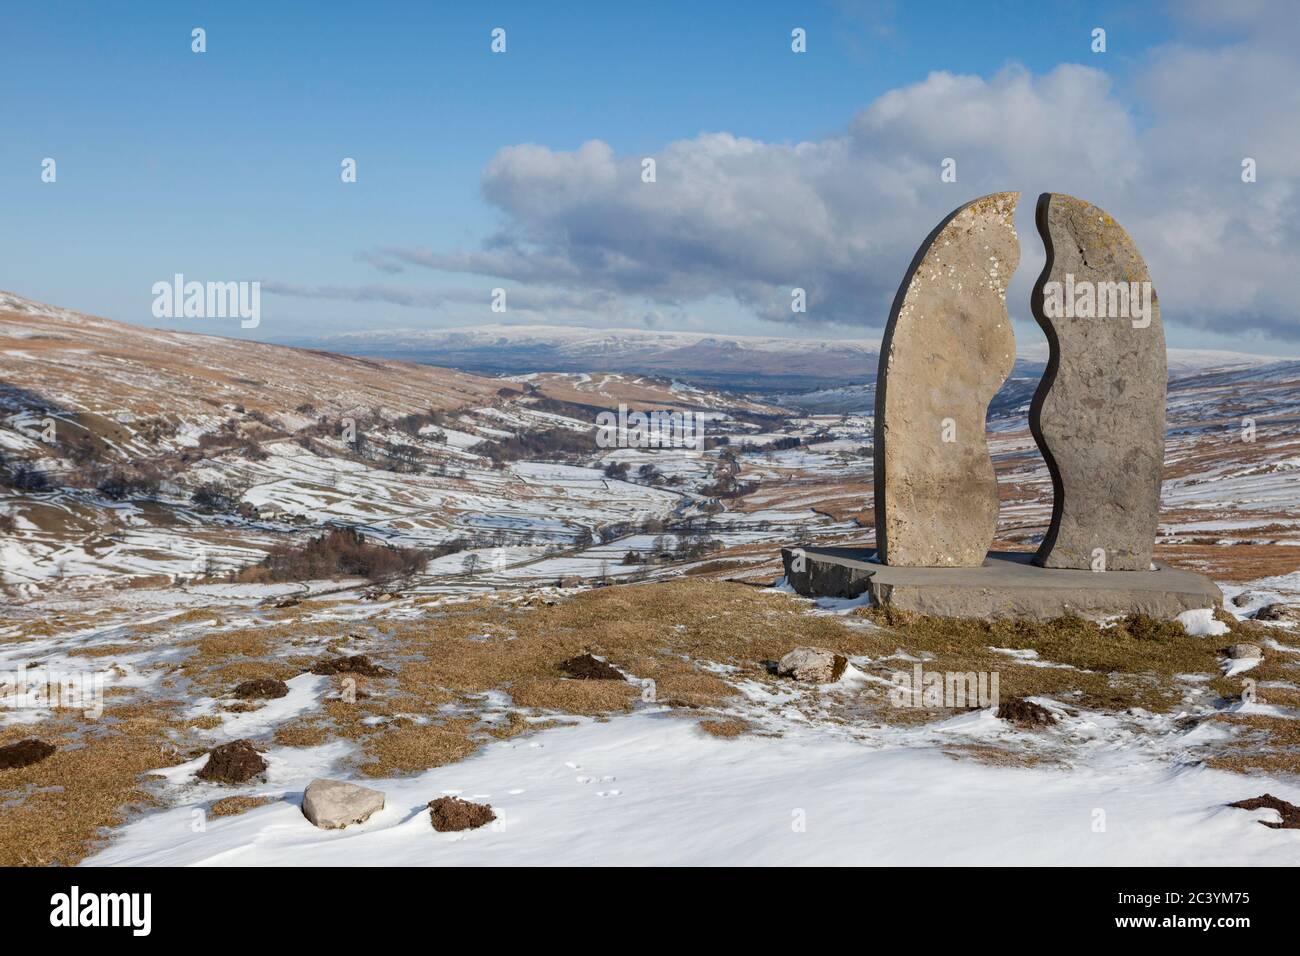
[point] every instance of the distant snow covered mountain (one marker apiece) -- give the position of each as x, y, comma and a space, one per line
765, 363
745, 361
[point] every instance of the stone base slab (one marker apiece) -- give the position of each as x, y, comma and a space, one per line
1008, 585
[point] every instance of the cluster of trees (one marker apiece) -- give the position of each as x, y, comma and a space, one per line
552, 444
340, 552
647, 474
689, 546
122, 483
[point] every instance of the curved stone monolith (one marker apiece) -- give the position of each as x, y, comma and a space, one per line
947, 349
1099, 412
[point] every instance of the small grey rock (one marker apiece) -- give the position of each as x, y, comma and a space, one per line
1242, 599
1245, 651
333, 804
815, 665
1278, 612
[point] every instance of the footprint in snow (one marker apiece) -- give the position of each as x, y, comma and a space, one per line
515, 792
572, 766
608, 793
584, 779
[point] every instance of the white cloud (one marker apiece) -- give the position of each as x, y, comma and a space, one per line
842, 216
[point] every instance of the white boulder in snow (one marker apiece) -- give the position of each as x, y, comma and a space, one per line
333, 804
1201, 623
813, 664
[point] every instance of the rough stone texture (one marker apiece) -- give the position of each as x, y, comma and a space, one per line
1245, 652
1010, 585
823, 578
816, 665
334, 804
947, 349
1099, 413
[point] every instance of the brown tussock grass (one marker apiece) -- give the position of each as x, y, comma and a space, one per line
58, 808
1133, 663
726, 728
233, 806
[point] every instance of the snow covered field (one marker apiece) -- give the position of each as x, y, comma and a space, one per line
651, 789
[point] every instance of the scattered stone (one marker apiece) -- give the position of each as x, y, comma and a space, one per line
947, 349
356, 664
1099, 412
24, 753
1290, 812
1245, 651
235, 762
1242, 599
1278, 612
1026, 713
452, 813
334, 804
586, 667
263, 688
815, 665
569, 581
288, 602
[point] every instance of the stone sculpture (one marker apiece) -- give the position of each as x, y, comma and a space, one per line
1098, 417
1099, 412
947, 349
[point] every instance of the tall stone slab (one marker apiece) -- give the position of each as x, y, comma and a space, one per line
1099, 413
947, 349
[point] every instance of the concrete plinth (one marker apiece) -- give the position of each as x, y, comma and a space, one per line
1007, 585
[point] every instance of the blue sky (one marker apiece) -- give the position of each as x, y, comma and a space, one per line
225, 165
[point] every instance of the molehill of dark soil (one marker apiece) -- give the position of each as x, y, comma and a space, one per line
1026, 713
24, 753
452, 813
263, 688
1290, 812
357, 664
586, 667
234, 762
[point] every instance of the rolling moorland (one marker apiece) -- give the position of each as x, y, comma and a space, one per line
184, 515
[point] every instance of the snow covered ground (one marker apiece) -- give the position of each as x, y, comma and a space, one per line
652, 789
